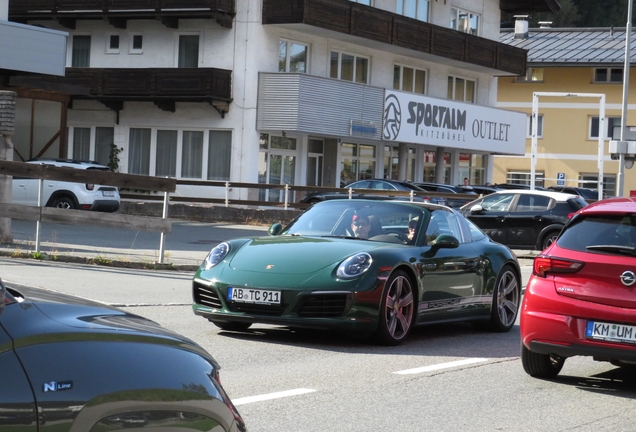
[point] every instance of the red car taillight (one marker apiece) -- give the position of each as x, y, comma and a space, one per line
544, 264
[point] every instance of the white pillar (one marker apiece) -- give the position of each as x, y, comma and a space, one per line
4, 10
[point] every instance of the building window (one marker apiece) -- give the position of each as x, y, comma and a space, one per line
349, 67
136, 44
591, 181
430, 164
532, 75
409, 79
524, 178
465, 22
219, 155
608, 75
610, 122
104, 141
188, 51
358, 162
82, 144
473, 167
391, 163
416, 9
462, 89
191, 155
166, 160
112, 46
81, 51
539, 126
292, 57
139, 151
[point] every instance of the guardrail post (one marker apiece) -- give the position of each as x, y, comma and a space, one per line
286, 195
162, 245
37, 223
227, 194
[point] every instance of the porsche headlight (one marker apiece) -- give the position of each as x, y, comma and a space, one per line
354, 266
216, 255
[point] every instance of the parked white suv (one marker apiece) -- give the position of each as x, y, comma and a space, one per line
67, 195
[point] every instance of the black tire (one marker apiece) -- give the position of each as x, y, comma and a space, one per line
549, 238
540, 365
232, 325
397, 310
505, 300
64, 202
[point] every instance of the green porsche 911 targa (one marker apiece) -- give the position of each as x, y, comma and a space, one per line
375, 268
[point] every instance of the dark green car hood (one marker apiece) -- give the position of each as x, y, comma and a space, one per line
296, 254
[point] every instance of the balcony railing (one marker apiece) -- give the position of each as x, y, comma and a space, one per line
117, 12
163, 86
350, 18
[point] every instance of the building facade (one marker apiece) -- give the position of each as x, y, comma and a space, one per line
306, 92
583, 63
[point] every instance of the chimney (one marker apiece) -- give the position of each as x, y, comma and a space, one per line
521, 26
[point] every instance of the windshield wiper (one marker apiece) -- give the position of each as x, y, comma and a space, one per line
624, 250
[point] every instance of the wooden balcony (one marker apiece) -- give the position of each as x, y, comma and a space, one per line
118, 12
354, 19
164, 87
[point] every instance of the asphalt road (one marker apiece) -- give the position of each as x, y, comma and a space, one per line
443, 378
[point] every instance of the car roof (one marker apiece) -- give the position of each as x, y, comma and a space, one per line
617, 205
74, 163
558, 196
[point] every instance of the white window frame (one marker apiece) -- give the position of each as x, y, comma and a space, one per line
421, 13
539, 126
355, 57
415, 70
132, 49
456, 13
109, 48
609, 76
291, 43
455, 78
610, 123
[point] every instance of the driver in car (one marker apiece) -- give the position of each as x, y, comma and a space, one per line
360, 226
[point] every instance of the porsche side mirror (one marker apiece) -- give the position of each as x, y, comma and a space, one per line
275, 229
445, 241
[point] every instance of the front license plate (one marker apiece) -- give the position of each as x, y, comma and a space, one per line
611, 332
108, 193
250, 295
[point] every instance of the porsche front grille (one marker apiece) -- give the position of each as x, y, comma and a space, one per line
325, 305
206, 296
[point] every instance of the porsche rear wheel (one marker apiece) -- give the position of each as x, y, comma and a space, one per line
505, 302
396, 310
232, 325
540, 365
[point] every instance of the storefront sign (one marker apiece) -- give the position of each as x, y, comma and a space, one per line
445, 123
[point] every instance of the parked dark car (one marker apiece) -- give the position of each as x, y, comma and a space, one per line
482, 189
516, 186
589, 195
72, 364
356, 266
375, 184
454, 202
580, 298
521, 218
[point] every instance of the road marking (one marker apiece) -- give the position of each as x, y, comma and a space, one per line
441, 366
278, 395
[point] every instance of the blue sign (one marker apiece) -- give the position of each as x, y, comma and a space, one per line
561, 179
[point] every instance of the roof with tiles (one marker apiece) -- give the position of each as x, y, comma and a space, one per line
572, 46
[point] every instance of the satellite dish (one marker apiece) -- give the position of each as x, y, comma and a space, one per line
629, 163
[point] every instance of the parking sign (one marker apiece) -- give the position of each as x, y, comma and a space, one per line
561, 179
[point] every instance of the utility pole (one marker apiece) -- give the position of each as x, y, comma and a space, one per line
7, 129
620, 180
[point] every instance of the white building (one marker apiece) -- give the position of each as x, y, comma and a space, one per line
306, 92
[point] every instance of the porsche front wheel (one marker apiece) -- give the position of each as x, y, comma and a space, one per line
397, 310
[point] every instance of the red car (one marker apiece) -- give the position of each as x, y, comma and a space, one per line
581, 297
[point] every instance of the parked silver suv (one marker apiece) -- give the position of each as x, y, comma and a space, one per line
67, 195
